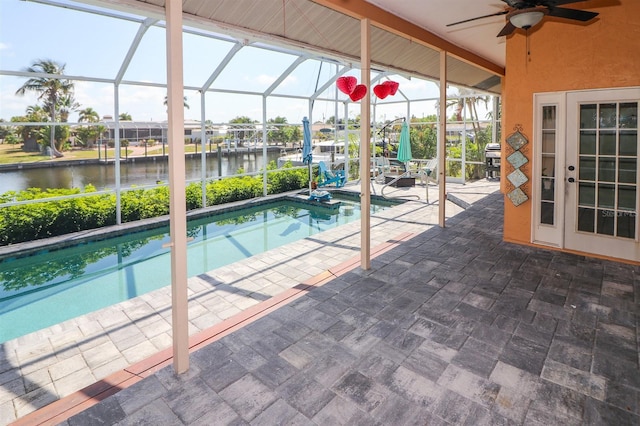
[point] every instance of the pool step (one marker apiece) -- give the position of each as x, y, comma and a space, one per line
330, 203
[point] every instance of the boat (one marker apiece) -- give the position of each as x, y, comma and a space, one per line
327, 151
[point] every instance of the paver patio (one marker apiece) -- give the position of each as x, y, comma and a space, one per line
453, 326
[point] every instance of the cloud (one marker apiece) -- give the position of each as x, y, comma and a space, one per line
265, 80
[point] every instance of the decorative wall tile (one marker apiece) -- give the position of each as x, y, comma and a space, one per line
517, 140
517, 159
517, 178
517, 197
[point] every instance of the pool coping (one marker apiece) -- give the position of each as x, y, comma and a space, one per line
67, 240
61, 409
61, 241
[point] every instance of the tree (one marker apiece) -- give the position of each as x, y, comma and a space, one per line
88, 115
280, 132
4, 130
88, 135
166, 101
31, 135
67, 104
240, 134
424, 137
125, 116
55, 93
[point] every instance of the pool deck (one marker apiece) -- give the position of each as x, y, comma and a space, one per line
448, 326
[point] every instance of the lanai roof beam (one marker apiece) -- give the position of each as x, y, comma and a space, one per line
285, 74
144, 26
221, 66
329, 82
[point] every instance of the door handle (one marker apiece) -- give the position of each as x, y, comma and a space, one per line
571, 180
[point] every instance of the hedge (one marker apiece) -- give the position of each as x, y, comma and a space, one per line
46, 219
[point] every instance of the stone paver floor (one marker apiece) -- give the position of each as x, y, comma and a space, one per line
42, 367
453, 326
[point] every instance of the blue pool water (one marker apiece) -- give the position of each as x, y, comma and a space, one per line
49, 287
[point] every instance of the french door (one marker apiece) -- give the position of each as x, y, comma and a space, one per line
596, 198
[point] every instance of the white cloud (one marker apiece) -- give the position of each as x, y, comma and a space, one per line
12, 105
265, 80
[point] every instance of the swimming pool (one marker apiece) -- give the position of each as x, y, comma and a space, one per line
50, 286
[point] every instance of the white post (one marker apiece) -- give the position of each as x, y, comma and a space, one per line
365, 146
177, 183
203, 144
116, 145
345, 133
265, 175
442, 140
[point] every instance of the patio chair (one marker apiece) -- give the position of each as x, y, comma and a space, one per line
381, 165
329, 176
428, 170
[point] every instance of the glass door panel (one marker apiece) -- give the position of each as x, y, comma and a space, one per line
607, 169
587, 194
548, 178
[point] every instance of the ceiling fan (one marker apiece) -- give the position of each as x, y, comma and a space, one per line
528, 13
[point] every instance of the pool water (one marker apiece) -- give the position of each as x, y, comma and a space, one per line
48, 287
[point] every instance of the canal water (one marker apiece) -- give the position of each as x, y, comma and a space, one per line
102, 176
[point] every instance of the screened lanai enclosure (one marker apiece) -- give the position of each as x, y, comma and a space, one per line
126, 81
241, 74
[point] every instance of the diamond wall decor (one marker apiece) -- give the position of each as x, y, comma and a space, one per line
516, 141
517, 159
517, 196
517, 178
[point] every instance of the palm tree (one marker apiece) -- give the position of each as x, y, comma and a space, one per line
280, 132
186, 105
56, 93
241, 120
30, 134
67, 104
88, 115
125, 116
89, 134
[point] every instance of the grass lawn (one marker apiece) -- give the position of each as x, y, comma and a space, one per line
10, 154
14, 154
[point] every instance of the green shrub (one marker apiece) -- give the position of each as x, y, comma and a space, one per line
287, 180
52, 218
233, 189
194, 196
144, 203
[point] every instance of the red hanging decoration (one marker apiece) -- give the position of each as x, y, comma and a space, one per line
393, 86
347, 84
359, 92
382, 90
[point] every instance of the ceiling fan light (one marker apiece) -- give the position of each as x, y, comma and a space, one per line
526, 19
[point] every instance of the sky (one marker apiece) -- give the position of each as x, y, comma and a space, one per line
92, 45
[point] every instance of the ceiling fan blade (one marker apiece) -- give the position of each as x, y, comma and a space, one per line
561, 2
524, 4
503, 12
577, 15
508, 29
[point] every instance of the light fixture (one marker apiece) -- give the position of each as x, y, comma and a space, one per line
526, 18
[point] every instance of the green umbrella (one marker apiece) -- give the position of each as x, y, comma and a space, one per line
404, 147
307, 154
